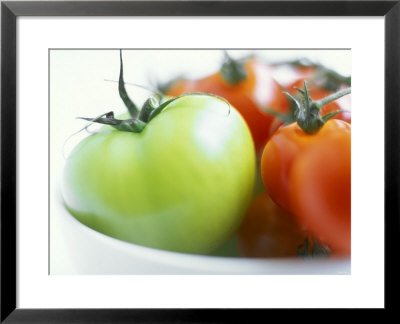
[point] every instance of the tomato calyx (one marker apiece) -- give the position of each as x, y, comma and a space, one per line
312, 249
323, 76
150, 109
132, 108
233, 71
140, 117
127, 125
307, 111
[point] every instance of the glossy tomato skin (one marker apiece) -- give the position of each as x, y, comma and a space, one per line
267, 231
182, 184
321, 192
249, 96
309, 176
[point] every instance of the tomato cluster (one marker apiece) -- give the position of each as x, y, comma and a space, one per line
179, 173
305, 168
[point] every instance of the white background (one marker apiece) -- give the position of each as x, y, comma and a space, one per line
364, 288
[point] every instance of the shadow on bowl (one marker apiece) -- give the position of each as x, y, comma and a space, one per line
76, 249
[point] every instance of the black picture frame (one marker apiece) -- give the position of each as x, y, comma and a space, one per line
11, 10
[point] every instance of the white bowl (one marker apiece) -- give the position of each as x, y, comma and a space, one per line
77, 249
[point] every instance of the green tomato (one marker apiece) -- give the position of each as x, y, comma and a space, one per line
182, 184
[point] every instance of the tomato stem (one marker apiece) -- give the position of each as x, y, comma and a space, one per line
149, 105
151, 108
128, 125
233, 71
324, 76
140, 118
322, 102
307, 111
133, 110
315, 249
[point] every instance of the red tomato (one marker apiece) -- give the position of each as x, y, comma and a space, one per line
309, 176
267, 231
255, 90
323, 205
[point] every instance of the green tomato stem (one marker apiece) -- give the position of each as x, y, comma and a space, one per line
307, 111
150, 110
322, 102
316, 250
140, 118
324, 76
127, 125
148, 107
133, 110
233, 71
